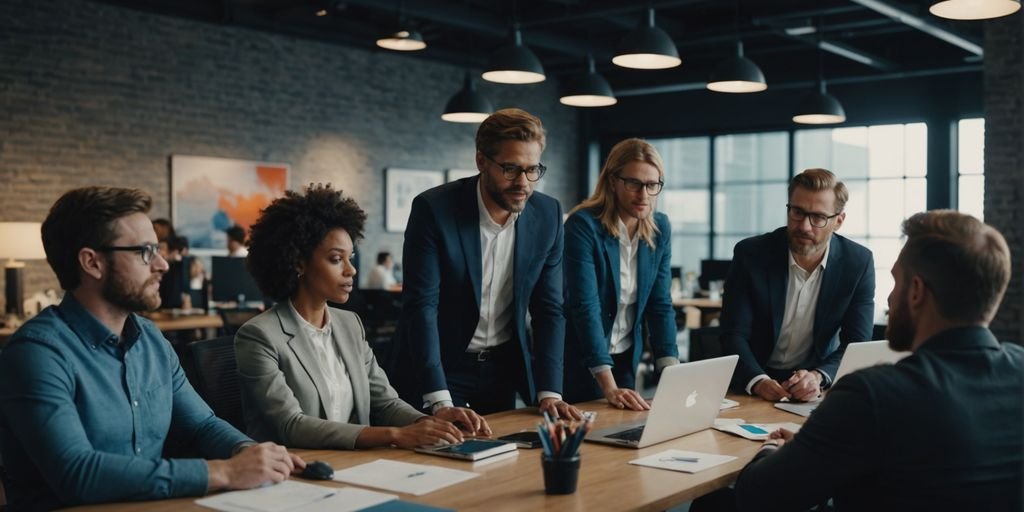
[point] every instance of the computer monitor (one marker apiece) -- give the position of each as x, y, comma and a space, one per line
713, 270
232, 281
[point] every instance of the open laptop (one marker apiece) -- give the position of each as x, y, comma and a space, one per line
687, 400
858, 355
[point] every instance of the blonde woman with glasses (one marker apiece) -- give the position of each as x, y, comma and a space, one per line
617, 276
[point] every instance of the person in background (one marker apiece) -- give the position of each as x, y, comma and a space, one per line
308, 376
939, 430
90, 392
478, 253
382, 277
164, 234
795, 297
236, 241
618, 255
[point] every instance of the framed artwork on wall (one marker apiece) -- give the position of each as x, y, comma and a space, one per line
458, 174
209, 195
401, 186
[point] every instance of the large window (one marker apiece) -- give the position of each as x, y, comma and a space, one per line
971, 167
686, 198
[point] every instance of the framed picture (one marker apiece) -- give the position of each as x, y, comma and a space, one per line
458, 174
209, 195
400, 187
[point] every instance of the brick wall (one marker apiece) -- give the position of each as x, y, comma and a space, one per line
96, 94
1004, 156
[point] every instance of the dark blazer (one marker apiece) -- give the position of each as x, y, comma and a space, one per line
441, 289
592, 291
282, 380
939, 430
755, 299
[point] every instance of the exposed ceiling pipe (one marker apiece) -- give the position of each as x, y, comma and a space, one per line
922, 24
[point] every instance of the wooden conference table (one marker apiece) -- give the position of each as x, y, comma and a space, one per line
607, 481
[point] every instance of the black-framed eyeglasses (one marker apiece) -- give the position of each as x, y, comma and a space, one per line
818, 220
634, 185
511, 172
145, 251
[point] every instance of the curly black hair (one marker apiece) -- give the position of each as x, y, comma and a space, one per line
291, 228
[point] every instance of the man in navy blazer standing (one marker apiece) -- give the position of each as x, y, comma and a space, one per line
480, 252
797, 296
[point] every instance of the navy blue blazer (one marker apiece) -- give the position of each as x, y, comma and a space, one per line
939, 430
754, 300
441, 290
592, 291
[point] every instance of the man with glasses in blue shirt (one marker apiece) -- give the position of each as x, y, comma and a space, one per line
479, 253
90, 392
797, 296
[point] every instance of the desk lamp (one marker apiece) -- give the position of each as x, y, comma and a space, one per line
18, 241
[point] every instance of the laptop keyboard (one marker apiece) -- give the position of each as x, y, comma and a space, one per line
632, 434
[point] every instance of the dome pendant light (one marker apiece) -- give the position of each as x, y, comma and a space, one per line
588, 90
467, 105
514, 64
974, 9
737, 75
647, 47
819, 107
402, 41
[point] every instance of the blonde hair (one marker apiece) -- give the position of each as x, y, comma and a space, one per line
509, 124
821, 179
604, 203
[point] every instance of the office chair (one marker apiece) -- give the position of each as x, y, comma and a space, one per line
217, 376
234, 318
705, 343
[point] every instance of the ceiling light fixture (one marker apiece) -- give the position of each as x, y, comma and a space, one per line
737, 75
974, 9
587, 90
402, 41
819, 107
647, 47
467, 105
514, 64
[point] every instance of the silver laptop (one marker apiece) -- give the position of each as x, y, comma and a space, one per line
687, 400
857, 356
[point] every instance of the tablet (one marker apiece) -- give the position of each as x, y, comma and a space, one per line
470, 449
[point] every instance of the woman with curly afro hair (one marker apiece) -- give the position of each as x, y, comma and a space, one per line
309, 379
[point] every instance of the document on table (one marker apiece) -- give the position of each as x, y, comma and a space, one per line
391, 475
295, 496
752, 431
728, 404
682, 460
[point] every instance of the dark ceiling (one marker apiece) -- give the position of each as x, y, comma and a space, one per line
862, 40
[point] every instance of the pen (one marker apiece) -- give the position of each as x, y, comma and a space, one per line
418, 473
680, 459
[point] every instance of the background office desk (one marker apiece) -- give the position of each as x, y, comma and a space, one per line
606, 482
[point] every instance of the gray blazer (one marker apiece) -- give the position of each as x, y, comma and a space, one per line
280, 379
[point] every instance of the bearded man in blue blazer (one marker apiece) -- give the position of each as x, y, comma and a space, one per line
479, 254
797, 296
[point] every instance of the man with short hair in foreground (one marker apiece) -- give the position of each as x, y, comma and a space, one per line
90, 392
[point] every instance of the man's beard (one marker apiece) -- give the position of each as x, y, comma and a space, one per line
900, 329
499, 197
801, 249
118, 291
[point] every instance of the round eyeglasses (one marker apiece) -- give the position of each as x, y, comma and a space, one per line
635, 185
818, 220
511, 172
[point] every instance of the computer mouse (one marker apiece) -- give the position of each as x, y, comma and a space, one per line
318, 470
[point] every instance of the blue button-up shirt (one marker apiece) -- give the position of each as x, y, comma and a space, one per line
85, 413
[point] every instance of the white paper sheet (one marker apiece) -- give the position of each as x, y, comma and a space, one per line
295, 496
391, 475
682, 460
799, 408
752, 431
728, 404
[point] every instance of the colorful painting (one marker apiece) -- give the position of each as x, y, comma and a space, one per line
209, 195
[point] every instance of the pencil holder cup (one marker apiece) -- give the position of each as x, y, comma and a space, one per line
560, 474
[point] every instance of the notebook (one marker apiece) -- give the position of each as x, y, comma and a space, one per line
687, 400
858, 355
